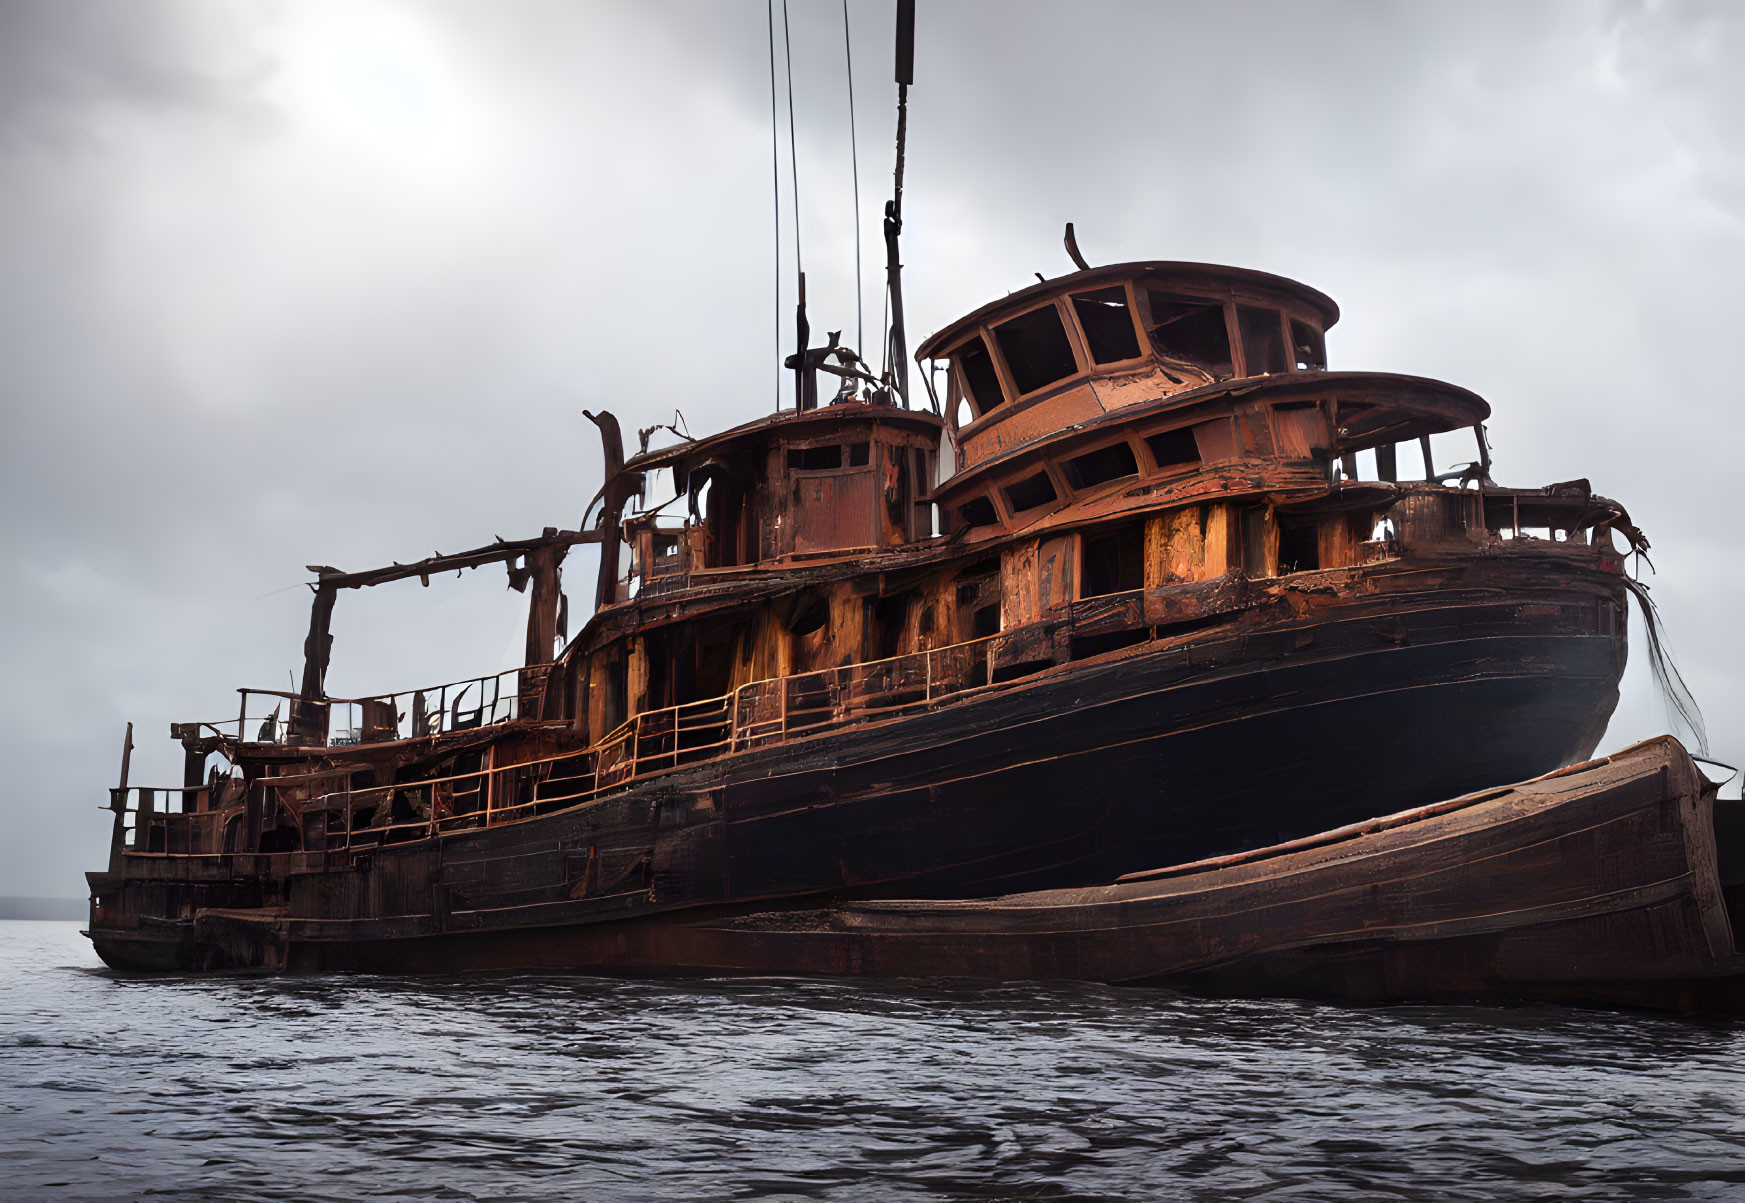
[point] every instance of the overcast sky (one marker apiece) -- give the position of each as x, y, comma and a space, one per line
313, 282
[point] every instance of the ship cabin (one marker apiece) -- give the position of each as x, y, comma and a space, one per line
791, 488
1121, 402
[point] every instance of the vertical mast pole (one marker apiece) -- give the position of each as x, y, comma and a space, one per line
898, 348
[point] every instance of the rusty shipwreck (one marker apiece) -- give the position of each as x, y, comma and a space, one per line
1135, 579
1154, 613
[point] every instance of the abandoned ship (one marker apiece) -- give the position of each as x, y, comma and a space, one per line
1152, 613
1116, 595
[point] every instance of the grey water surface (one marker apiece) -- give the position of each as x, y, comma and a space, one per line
575, 1088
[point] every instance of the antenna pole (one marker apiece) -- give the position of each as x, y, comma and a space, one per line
804, 398
775, 165
898, 348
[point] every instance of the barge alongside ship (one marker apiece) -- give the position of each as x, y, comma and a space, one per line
1617, 881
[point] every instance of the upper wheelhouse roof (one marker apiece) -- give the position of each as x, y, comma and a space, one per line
1209, 278
783, 427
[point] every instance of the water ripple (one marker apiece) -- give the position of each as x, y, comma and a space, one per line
534, 1086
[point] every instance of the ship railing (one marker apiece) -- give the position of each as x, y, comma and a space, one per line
331, 827
173, 819
278, 717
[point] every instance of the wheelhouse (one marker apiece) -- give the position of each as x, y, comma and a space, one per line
1066, 351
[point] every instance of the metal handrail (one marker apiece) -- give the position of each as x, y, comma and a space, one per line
650, 742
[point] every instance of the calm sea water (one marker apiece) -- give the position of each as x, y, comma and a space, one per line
551, 1087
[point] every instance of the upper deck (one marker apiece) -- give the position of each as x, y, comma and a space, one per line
1069, 350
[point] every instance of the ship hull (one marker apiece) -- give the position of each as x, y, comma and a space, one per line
1226, 739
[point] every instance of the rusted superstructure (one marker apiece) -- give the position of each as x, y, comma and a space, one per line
1121, 597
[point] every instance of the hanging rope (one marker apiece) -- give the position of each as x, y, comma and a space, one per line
775, 167
854, 158
1681, 705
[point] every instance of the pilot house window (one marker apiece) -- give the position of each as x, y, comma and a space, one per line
979, 376
1309, 346
1190, 330
1262, 339
1107, 324
815, 459
1036, 348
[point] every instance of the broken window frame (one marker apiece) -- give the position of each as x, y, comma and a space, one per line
966, 520
1110, 534
1069, 327
1025, 480
1142, 349
1156, 467
1233, 316
844, 465
1148, 320
1318, 343
961, 382
1068, 475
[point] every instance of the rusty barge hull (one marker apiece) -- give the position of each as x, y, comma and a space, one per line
1167, 751
1604, 883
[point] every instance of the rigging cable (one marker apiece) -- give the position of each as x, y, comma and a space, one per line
793, 147
854, 158
775, 167
802, 330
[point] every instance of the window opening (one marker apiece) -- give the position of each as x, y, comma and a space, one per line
1262, 339
1101, 466
978, 511
979, 376
815, 459
1309, 347
1036, 348
859, 454
813, 614
985, 622
1113, 562
1174, 447
889, 614
1107, 324
1254, 542
1030, 492
1191, 331
1298, 546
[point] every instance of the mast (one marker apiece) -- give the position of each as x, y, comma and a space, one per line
898, 349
